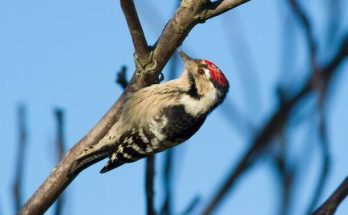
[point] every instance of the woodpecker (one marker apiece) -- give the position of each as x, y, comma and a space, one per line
161, 116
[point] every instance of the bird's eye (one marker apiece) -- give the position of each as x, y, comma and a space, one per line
200, 71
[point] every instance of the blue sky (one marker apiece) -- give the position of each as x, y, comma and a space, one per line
66, 53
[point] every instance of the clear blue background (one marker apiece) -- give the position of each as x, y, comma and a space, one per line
66, 54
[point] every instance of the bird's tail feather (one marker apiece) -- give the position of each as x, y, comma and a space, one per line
111, 164
90, 157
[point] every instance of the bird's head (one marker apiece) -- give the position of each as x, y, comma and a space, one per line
205, 72
205, 79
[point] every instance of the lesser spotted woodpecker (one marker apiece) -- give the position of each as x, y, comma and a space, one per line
161, 116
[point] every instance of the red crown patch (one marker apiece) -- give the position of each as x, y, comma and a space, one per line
216, 74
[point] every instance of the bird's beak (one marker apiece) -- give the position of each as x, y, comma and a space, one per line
184, 56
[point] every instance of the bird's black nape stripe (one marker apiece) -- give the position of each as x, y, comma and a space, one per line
193, 92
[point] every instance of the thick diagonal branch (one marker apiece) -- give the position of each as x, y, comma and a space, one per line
64, 173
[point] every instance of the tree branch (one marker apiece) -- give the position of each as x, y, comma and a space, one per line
331, 204
64, 173
285, 173
149, 185
324, 147
176, 30
136, 31
304, 20
60, 147
21, 157
191, 206
167, 182
218, 7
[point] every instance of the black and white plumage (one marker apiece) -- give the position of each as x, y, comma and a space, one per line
161, 116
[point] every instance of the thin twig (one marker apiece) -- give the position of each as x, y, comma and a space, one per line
149, 185
285, 174
121, 77
136, 31
331, 204
335, 12
268, 132
321, 87
218, 7
21, 156
60, 147
325, 168
167, 182
288, 50
304, 20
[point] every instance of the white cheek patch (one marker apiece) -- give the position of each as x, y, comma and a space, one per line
198, 106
